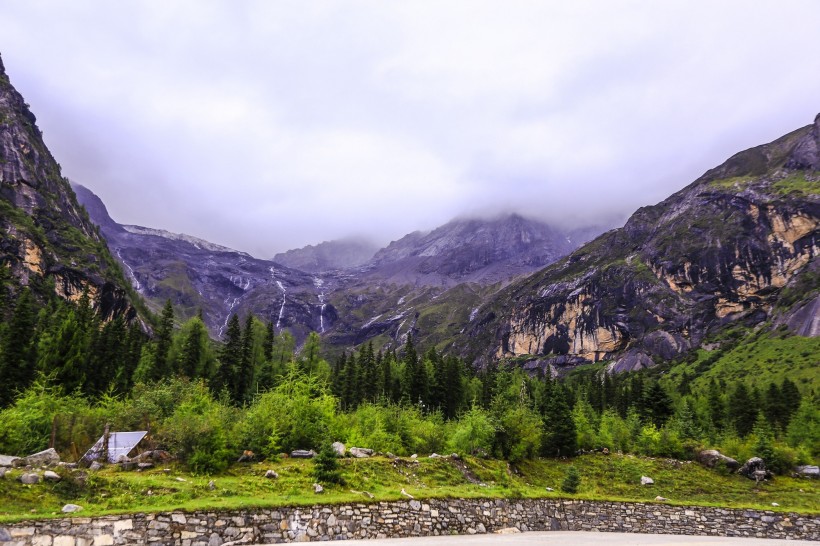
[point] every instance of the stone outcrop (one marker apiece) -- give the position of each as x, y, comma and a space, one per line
410, 518
719, 251
711, 457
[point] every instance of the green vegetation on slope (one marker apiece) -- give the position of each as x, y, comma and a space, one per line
244, 485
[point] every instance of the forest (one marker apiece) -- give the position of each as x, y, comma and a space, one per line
65, 374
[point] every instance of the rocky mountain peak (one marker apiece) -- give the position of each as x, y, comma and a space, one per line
806, 154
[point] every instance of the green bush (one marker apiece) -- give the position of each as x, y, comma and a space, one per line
326, 467
572, 480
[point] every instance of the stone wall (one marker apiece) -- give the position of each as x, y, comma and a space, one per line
404, 519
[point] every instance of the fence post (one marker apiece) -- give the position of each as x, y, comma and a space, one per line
106, 436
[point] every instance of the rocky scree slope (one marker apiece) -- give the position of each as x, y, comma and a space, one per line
47, 241
738, 244
329, 255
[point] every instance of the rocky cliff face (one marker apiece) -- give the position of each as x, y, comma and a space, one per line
474, 250
721, 250
195, 274
46, 238
328, 256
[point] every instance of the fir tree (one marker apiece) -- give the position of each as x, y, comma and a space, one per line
230, 357
741, 410
572, 480
17, 356
164, 337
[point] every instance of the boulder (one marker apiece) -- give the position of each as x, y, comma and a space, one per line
711, 457
807, 471
339, 448
646, 480
144, 466
246, 457
361, 452
271, 474
4, 535
435, 456
302, 454
661, 499
52, 476
755, 469
29, 478
8, 460
95, 466
155, 455
3, 471
70, 508
41, 458
317, 488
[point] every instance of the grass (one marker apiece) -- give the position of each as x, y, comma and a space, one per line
759, 358
612, 477
798, 184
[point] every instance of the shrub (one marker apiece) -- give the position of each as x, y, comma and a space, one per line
326, 467
572, 480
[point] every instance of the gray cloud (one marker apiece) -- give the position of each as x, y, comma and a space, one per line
269, 125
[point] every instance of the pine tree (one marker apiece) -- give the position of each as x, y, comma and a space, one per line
742, 412
560, 437
791, 399
717, 409
656, 405
245, 369
572, 480
191, 359
230, 356
164, 337
325, 466
17, 357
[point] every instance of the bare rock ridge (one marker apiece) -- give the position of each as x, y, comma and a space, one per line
721, 250
329, 255
47, 239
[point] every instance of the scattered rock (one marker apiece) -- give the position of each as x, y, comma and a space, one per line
390, 455
661, 499
41, 458
70, 466
155, 455
271, 474
95, 466
317, 488
807, 471
4, 535
51, 476
550, 489
755, 469
508, 531
646, 480
435, 456
180, 479
80, 478
211, 485
339, 448
711, 457
414, 456
605, 451
3, 471
246, 457
128, 465
144, 466
70, 508
455, 456
29, 478
8, 460
775, 504
361, 452
303, 454
406, 494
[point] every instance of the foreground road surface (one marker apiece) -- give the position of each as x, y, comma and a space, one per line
571, 538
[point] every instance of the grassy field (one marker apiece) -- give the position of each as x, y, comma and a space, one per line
610, 477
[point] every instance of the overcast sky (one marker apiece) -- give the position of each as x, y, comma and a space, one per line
267, 125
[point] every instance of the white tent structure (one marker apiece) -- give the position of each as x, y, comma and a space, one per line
120, 444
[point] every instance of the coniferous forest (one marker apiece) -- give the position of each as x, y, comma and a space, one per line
65, 374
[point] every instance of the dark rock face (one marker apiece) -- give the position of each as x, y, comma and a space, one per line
45, 234
718, 251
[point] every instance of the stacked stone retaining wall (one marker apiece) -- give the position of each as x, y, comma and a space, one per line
405, 519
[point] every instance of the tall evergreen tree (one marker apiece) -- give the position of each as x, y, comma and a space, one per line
230, 357
17, 357
164, 336
741, 411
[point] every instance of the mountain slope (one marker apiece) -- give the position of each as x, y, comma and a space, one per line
195, 274
329, 255
473, 250
47, 240
721, 250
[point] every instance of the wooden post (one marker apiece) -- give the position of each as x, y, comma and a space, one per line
106, 436
53, 438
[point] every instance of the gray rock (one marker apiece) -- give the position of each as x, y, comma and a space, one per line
144, 466
211, 485
302, 454
71, 508
339, 448
4, 535
712, 457
95, 466
807, 471
29, 478
215, 540
3, 471
51, 476
661, 499
435, 456
7, 460
755, 469
361, 452
271, 474
42, 458
646, 480
317, 488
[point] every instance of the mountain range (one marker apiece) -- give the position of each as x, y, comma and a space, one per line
736, 246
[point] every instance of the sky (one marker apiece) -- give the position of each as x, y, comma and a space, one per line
268, 125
